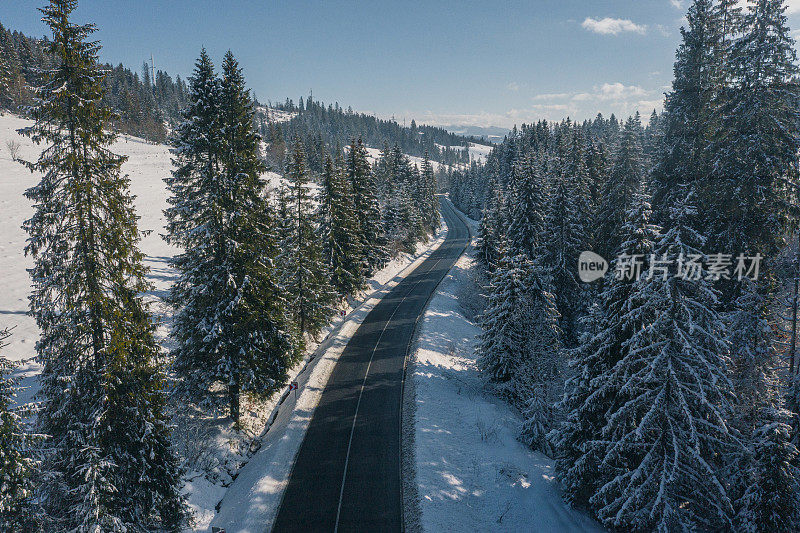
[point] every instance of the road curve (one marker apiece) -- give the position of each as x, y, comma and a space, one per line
346, 475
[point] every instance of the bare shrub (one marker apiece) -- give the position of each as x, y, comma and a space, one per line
13, 148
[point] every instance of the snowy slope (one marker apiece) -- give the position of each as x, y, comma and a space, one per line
147, 166
471, 472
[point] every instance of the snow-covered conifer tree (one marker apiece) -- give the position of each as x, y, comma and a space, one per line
108, 460
588, 396
620, 189
305, 276
230, 326
17, 464
366, 207
668, 425
340, 232
527, 207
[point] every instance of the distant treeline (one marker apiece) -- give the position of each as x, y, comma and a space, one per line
324, 127
149, 108
144, 108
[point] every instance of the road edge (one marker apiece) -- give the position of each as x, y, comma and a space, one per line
409, 504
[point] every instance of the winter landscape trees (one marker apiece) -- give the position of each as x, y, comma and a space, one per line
674, 414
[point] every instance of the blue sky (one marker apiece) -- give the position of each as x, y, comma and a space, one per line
461, 62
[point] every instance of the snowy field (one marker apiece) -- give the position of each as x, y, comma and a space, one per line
147, 166
472, 474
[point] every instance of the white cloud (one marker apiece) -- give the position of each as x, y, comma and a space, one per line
513, 86
611, 92
613, 26
677, 4
617, 98
792, 7
551, 96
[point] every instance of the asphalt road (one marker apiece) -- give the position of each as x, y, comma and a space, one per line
346, 476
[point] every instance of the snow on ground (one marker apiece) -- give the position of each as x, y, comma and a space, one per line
216, 453
478, 152
472, 474
275, 115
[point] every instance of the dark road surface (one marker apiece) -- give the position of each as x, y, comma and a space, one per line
347, 473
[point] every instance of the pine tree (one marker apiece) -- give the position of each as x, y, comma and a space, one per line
340, 233
367, 209
606, 328
17, 464
230, 327
667, 429
306, 280
108, 459
620, 189
688, 114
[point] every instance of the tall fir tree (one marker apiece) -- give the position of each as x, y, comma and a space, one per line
587, 396
230, 326
502, 342
565, 235
17, 464
108, 458
529, 199
366, 207
305, 276
340, 232
755, 155
620, 190
668, 426
762, 470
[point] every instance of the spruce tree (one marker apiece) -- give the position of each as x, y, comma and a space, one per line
620, 189
565, 234
755, 155
17, 464
528, 207
502, 341
340, 233
606, 329
430, 201
230, 326
763, 472
539, 375
667, 428
305, 276
366, 207
108, 458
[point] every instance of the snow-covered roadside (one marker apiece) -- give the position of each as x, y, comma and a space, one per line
251, 501
471, 473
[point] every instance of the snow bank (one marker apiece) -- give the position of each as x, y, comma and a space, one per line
471, 472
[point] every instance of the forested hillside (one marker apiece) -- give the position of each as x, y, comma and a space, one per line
324, 127
666, 390
150, 108
144, 108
